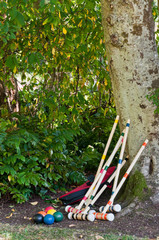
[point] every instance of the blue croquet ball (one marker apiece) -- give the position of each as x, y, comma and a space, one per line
49, 219
58, 216
38, 218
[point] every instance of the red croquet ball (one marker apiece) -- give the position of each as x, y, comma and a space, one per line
48, 208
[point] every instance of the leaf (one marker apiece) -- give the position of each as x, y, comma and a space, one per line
33, 203
9, 178
72, 225
20, 19
10, 215
53, 51
46, 21
42, 3
64, 31
52, 27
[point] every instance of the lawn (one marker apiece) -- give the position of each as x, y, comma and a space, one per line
36, 232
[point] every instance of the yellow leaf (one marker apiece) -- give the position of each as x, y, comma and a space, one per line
45, 46
97, 73
80, 24
12, 210
61, 53
105, 82
15, 69
105, 111
53, 51
47, 165
154, 13
9, 178
52, 27
65, 10
29, 44
10, 215
59, 15
77, 45
101, 41
33, 203
46, 20
64, 31
74, 119
74, 35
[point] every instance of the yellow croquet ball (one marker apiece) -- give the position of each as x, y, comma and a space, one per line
51, 211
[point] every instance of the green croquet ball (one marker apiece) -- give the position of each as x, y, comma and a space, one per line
38, 218
58, 216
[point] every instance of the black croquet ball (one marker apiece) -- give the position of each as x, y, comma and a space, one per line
38, 218
58, 216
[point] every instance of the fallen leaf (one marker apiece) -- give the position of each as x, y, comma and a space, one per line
72, 225
98, 237
28, 218
10, 215
33, 203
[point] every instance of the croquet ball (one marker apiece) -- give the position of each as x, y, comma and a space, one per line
42, 213
48, 219
58, 216
38, 218
48, 208
51, 211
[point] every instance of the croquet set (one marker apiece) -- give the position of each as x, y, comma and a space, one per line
89, 192
48, 216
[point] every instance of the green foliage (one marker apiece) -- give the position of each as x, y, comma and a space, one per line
35, 158
154, 98
55, 51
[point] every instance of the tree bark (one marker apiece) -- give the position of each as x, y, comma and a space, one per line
134, 71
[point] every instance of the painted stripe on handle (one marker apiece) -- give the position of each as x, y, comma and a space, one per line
144, 144
126, 175
116, 121
92, 197
120, 161
85, 198
106, 168
102, 170
109, 203
103, 157
128, 124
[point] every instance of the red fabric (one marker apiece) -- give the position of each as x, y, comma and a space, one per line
85, 186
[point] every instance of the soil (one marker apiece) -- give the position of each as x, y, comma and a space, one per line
140, 219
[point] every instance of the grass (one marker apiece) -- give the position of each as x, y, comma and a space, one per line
37, 232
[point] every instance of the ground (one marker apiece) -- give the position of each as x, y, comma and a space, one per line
139, 219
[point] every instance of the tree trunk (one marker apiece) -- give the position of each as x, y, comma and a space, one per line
134, 71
